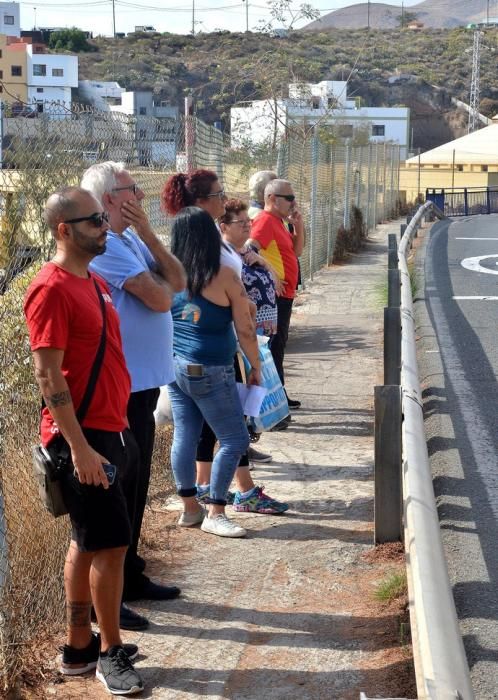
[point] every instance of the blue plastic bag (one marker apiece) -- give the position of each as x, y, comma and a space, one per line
274, 407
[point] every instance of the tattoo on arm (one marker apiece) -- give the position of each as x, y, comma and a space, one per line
62, 398
78, 614
237, 279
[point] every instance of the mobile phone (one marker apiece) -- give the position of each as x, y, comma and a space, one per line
110, 472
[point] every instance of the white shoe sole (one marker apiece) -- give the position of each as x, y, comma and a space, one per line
131, 691
197, 519
239, 532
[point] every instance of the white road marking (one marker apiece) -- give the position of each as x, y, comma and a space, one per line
476, 298
473, 264
476, 239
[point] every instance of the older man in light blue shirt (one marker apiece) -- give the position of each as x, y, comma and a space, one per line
142, 275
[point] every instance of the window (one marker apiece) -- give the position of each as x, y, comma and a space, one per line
484, 168
378, 130
1, 88
16, 71
8, 19
1, 74
39, 69
142, 111
331, 102
459, 168
142, 133
1, 53
57, 72
346, 131
315, 102
39, 89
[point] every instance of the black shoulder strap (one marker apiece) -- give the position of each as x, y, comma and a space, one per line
97, 363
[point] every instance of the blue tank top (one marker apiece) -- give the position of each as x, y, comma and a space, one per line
202, 331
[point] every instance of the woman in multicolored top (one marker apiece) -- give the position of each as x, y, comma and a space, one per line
257, 276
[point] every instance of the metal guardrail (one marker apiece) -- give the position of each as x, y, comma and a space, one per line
441, 666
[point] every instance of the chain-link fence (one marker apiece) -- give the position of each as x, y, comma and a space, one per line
42, 153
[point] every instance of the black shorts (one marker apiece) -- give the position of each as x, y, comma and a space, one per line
99, 517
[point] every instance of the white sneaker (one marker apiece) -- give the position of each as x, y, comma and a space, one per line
191, 519
222, 526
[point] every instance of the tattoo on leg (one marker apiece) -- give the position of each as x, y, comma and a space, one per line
78, 613
63, 398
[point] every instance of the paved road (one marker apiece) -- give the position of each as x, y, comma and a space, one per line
458, 359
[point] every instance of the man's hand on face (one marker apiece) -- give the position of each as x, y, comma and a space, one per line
134, 215
296, 219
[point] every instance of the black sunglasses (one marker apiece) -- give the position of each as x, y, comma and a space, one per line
133, 188
95, 219
288, 197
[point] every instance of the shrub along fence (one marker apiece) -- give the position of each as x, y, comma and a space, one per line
42, 154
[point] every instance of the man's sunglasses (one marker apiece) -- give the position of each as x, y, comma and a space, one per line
95, 219
288, 197
133, 188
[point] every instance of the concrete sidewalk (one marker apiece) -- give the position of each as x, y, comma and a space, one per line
289, 612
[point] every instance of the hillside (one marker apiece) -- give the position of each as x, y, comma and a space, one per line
222, 68
435, 14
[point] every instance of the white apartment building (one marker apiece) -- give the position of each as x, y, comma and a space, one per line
100, 93
50, 77
10, 22
324, 103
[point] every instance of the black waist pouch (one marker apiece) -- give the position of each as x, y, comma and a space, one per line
48, 469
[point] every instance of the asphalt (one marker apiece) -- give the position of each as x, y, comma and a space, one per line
287, 612
458, 363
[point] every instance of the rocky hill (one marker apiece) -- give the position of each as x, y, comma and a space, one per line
435, 14
222, 69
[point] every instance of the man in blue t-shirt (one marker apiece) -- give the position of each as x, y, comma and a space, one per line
142, 276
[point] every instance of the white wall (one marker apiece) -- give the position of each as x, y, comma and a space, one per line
50, 94
255, 124
68, 64
10, 9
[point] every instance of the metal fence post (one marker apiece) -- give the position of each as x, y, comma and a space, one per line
376, 187
388, 509
347, 203
313, 202
330, 229
369, 165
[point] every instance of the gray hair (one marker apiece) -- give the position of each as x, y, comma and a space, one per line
258, 182
61, 205
102, 177
274, 187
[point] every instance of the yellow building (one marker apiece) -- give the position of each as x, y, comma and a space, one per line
470, 161
13, 70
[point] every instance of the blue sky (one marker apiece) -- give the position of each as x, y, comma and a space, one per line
164, 15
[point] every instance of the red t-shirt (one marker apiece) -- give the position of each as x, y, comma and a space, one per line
63, 312
277, 248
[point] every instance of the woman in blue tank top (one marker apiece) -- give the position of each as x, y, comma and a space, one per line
204, 345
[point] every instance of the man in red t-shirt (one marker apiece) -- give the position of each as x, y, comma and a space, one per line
281, 249
64, 318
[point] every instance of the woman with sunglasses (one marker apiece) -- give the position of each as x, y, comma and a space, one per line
204, 343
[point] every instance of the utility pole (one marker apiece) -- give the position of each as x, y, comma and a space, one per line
487, 13
193, 17
113, 19
247, 14
475, 85
368, 14
402, 14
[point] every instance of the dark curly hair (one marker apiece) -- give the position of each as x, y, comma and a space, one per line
182, 190
232, 208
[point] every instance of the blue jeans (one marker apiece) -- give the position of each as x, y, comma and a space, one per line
211, 397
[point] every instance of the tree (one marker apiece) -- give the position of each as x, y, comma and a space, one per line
69, 40
283, 12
